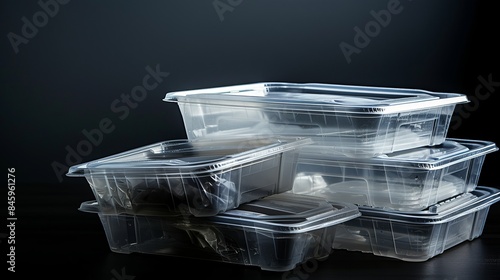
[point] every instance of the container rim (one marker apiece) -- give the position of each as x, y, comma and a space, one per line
478, 199
138, 160
323, 214
474, 149
319, 97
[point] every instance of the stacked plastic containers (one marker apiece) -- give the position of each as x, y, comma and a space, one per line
384, 150
213, 199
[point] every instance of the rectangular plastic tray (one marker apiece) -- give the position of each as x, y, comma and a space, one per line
275, 233
409, 180
200, 178
419, 236
358, 121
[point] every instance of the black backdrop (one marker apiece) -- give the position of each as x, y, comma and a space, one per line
67, 66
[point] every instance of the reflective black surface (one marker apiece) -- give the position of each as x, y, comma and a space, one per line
54, 238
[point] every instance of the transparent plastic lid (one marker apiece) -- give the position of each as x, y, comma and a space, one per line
441, 212
288, 212
193, 156
451, 151
280, 213
319, 97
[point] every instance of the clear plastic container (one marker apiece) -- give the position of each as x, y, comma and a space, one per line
275, 233
197, 177
358, 121
409, 180
417, 237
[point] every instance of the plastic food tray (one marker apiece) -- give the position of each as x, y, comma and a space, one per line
418, 236
409, 180
200, 178
358, 121
275, 233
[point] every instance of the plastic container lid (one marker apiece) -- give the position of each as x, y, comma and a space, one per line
289, 213
442, 212
280, 213
193, 156
319, 97
452, 150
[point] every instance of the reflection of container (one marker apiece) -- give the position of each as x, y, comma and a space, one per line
418, 236
275, 233
195, 177
409, 180
354, 120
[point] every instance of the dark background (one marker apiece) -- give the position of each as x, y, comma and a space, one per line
63, 80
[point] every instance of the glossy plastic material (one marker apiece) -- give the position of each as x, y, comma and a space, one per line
409, 180
418, 236
200, 178
358, 121
275, 233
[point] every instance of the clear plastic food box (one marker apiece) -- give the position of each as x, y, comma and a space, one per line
275, 233
417, 237
359, 121
409, 180
192, 177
